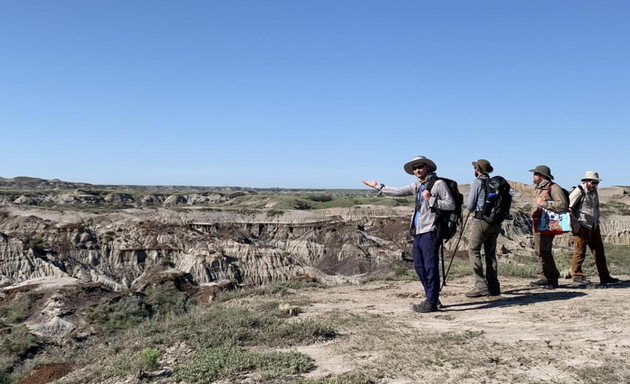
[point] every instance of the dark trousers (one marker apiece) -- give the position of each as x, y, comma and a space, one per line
542, 246
426, 263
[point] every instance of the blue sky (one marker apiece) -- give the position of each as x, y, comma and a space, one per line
314, 94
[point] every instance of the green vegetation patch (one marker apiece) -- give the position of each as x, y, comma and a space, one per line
19, 309
225, 361
217, 340
129, 311
15, 343
274, 289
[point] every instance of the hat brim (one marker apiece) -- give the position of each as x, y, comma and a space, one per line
409, 166
476, 165
549, 176
592, 178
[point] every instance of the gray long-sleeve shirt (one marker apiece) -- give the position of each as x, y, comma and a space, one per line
477, 194
441, 198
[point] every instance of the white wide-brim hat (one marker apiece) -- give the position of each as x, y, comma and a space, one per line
591, 175
420, 160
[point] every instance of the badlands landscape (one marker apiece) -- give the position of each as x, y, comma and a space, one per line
126, 284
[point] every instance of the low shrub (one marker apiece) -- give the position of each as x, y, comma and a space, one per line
222, 362
149, 359
320, 198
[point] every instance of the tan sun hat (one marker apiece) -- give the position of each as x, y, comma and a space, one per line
543, 170
591, 175
419, 160
484, 165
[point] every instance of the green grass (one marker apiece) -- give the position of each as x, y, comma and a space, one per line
217, 339
275, 289
225, 361
18, 310
15, 343
129, 311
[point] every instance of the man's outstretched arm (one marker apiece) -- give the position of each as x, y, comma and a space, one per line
391, 191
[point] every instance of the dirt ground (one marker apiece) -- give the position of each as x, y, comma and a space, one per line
527, 334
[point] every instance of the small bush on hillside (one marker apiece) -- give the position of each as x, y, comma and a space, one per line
16, 342
320, 198
129, 311
302, 205
165, 299
124, 313
149, 359
19, 309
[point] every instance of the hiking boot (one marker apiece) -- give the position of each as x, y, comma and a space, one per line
424, 307
547, 284
478, 293
581, 282
497, 293
609, 280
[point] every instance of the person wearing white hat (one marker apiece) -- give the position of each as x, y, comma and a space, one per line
423, 224
584, 202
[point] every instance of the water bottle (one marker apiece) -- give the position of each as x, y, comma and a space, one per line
489, 204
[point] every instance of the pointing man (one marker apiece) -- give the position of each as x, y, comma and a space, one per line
423, 224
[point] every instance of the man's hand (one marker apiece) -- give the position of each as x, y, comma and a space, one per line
541, 201
426, 195
372, 184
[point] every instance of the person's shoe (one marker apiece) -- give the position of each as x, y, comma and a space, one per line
424, 307
551, 284
439, 304
538, 283
498, 293
547, 284
609, 280
581, 282
478, 293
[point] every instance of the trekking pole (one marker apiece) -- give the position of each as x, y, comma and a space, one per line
442, 255
445, 275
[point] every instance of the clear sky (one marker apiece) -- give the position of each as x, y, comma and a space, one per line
319, 93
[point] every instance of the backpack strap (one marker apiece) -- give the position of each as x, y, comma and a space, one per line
548, 190
430, 181
580, 199
479, 214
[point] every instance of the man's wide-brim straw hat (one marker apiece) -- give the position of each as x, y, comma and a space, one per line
543, 170
419, 160
591, 175
484, 165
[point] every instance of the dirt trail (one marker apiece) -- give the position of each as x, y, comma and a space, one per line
525, 335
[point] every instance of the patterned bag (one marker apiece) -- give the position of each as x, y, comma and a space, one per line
547, 222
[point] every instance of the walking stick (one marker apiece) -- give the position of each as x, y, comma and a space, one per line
445, 275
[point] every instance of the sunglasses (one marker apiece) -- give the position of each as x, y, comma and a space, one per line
593, 182
418, 166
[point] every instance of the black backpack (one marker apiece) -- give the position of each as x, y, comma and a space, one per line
448, 221
498, 201
566, 193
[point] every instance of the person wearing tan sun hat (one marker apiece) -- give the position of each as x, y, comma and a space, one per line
584, 203
423, 223
548, 195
